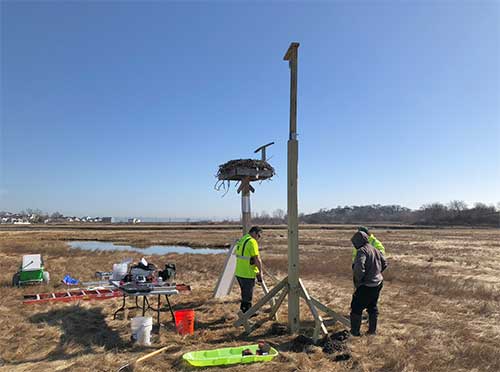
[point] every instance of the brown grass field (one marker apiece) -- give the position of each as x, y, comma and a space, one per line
439, 309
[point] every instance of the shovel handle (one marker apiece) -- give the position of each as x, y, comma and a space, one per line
151, 354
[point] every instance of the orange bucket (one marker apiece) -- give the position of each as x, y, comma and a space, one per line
184, 321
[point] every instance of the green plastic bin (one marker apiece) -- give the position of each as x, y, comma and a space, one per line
31, 276
227, 356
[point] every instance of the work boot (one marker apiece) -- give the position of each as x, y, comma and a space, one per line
355, 324
245, 306
372, 324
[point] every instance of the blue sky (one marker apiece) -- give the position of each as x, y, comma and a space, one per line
128, 108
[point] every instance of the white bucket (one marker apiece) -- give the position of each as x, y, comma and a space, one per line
119, 271
141, 329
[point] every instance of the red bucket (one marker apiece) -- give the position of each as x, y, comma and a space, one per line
184, 321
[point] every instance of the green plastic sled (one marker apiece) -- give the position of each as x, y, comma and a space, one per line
226, 356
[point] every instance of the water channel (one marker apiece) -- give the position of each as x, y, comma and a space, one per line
154, 249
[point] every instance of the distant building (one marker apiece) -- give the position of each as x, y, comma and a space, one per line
106, 219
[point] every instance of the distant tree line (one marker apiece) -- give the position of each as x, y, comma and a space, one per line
455, 213
276, 218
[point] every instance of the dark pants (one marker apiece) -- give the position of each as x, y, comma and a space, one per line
246, 286
366, 298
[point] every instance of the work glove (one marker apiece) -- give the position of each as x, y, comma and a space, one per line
259, 278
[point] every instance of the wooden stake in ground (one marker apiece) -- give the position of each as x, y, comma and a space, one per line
292, 285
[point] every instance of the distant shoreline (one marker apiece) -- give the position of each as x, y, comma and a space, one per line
220, 226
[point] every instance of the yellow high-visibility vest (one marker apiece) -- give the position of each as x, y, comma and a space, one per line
246, 248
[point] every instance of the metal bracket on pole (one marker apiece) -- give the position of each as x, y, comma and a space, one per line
263, 149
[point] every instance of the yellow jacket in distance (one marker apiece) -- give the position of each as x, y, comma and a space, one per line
374, 242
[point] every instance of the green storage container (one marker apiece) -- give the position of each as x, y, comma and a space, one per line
31, 271
227, 356
32, 276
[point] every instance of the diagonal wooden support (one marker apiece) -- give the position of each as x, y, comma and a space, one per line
331, 313
318, 320
278, 303
246, 324
253, 326
272, 302
314, 306
243, 317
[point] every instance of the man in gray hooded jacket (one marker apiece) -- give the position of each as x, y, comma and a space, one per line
367, 273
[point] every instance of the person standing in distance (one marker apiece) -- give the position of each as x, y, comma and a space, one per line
248, 265
368, 280
374, 242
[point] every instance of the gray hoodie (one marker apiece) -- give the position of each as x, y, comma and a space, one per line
369, 263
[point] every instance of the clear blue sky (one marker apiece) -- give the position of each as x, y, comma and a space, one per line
128, 108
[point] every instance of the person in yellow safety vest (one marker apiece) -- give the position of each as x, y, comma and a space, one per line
372, 240
248, 265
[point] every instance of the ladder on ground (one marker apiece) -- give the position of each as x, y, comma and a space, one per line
73, 295
104, 293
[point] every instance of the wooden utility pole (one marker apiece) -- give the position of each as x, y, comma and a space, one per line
292, 285
293, 223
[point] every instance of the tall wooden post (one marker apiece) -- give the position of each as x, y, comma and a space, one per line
292, 285
293, 222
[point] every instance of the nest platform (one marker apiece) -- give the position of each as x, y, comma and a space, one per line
237, 170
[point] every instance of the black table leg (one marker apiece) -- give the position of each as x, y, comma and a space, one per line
170, 308
120, 309
144, 305
158, 314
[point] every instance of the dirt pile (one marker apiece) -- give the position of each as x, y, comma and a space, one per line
335, 343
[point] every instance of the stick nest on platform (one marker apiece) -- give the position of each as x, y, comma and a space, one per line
237, 170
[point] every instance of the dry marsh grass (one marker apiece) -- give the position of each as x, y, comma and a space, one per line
440, 306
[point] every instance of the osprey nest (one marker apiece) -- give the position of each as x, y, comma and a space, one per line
237, 170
